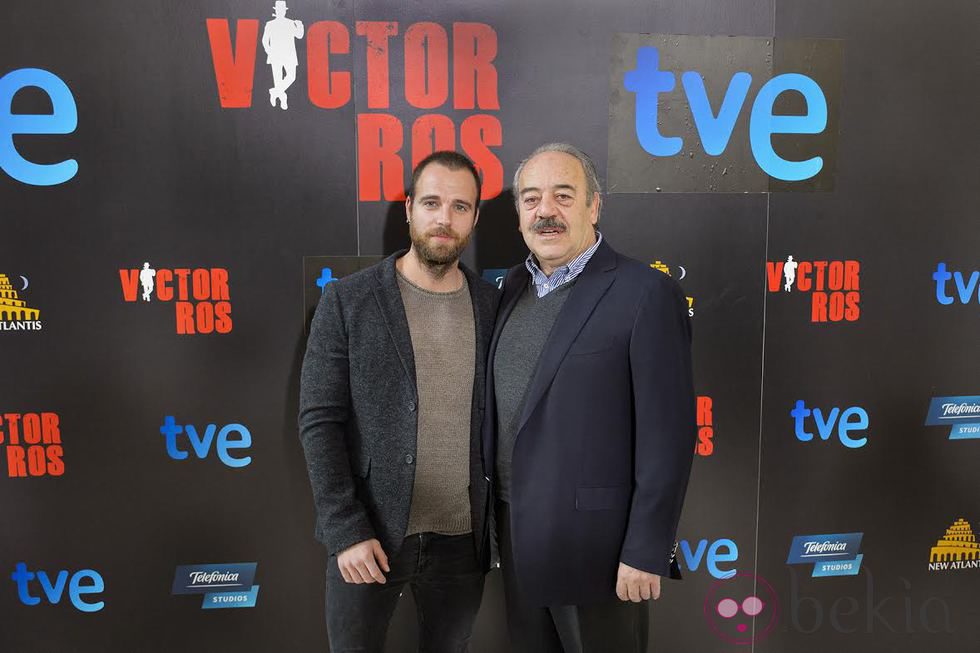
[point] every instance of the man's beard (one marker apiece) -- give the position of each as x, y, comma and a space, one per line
437, 256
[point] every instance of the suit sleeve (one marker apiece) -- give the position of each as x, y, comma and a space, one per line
324, 403
665, 428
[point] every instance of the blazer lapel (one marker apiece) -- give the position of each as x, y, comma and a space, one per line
482, 306
389, 299
482, 328
514, 285
589, 288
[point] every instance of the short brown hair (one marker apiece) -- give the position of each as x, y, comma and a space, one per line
451, 160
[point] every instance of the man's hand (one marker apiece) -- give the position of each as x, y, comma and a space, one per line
363, 562
636, 585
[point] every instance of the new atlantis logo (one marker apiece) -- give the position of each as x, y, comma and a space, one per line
957, 550
33, 444
441, 79
223, 585
663, 267
961, 414
834, 286
15, 314
830, 555
201, 297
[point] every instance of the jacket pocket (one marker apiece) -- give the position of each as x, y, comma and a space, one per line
591, 349
602, 498
362, 485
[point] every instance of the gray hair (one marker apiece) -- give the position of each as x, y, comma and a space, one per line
588, 167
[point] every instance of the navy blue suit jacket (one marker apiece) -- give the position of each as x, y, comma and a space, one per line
607, 435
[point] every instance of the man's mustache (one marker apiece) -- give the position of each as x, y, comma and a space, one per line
542, 224
442, 231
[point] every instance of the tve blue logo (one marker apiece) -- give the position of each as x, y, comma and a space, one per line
81, 583
713, 554
966, 289
229, 438
62, 120
326, 276
847, 421
647, 81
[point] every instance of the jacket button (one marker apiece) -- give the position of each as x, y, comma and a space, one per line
411, 406
409, 459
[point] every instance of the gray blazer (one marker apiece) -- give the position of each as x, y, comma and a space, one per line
358, 420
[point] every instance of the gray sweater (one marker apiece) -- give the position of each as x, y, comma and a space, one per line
441, 326
521, 342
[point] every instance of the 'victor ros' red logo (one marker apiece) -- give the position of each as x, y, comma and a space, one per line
201, 296
834, 286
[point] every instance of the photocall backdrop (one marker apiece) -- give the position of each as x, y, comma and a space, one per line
806, 170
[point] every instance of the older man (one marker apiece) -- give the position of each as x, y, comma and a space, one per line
590, 421
390, 413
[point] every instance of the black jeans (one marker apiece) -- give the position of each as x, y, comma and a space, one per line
614, 627
446, 582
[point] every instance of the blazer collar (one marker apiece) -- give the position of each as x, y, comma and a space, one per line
389, 298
